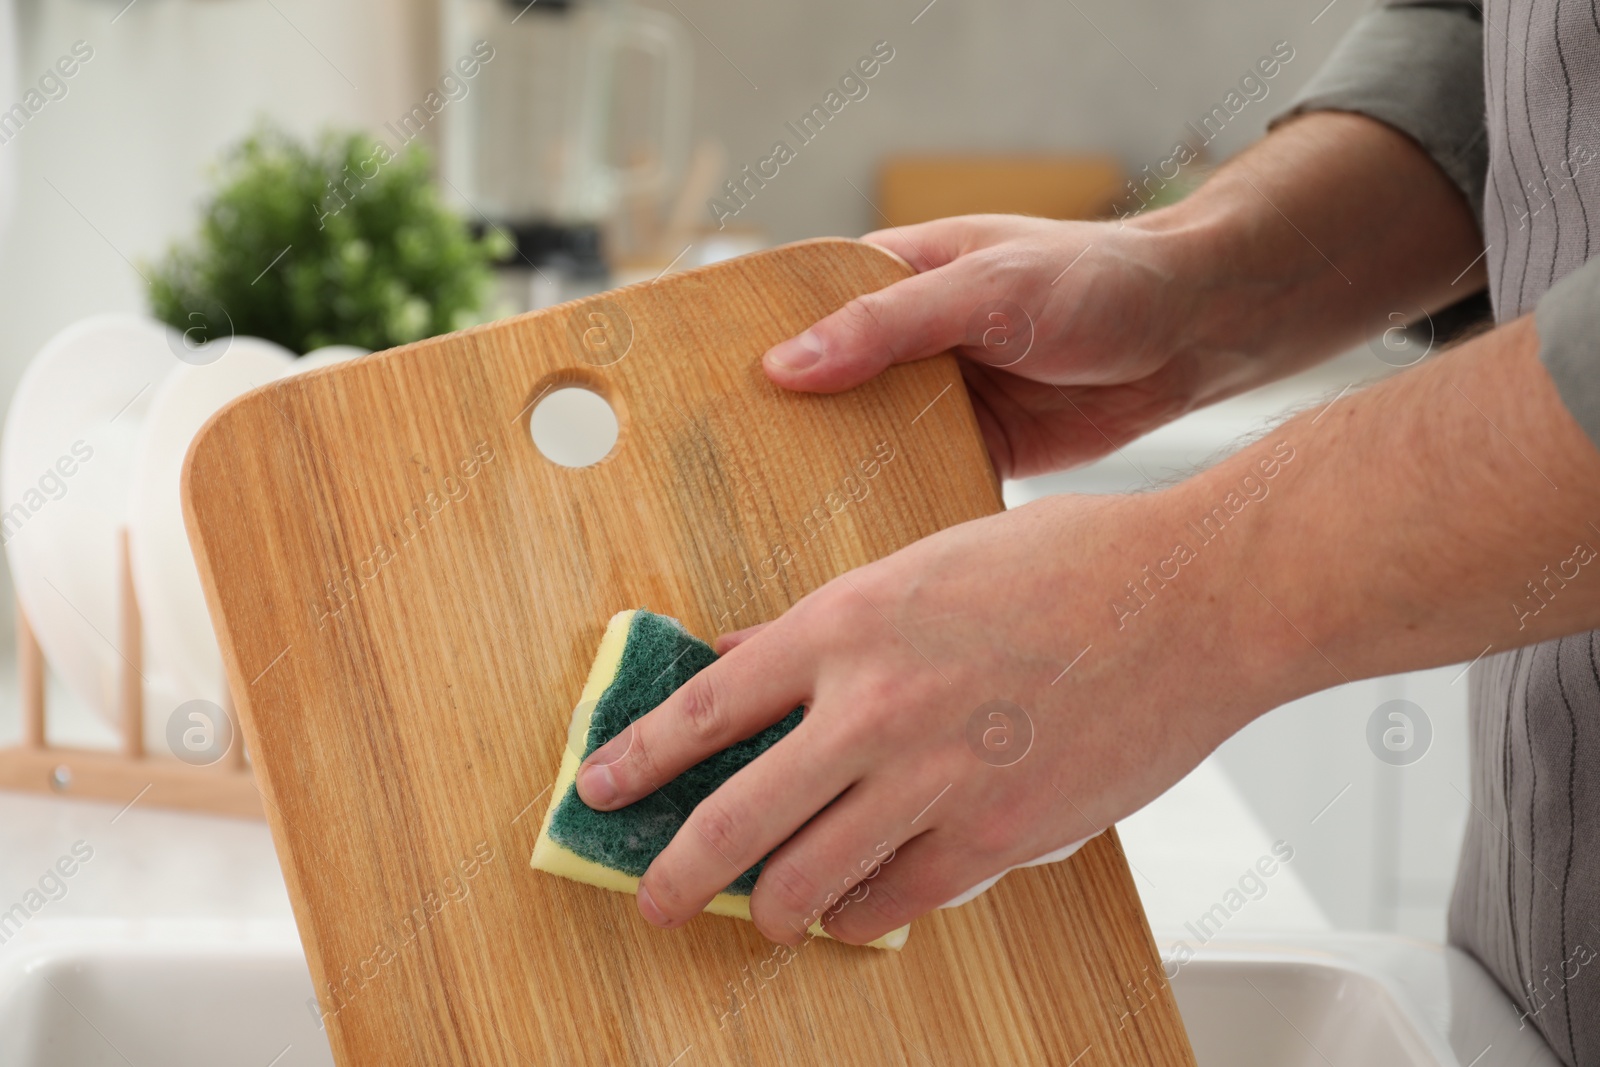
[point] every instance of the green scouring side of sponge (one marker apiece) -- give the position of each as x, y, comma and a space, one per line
657, 658
643, 659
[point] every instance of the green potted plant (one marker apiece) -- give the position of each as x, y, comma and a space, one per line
342, 241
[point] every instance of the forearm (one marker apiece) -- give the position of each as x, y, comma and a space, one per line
1307, 242
1419, 522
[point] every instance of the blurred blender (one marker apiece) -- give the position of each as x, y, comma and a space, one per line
573, 137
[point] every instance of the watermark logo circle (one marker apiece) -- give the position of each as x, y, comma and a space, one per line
1399, 732
1405, 341
1003, 330
999, 733
203, 334
601, 332
199, 732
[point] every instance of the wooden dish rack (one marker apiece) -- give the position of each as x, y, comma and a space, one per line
129, 772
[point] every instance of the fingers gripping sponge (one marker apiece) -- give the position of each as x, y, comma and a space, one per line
643, 659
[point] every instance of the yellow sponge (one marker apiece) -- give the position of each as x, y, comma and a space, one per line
642, 659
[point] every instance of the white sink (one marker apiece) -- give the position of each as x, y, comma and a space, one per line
114, 993
1366, 1000
146, 993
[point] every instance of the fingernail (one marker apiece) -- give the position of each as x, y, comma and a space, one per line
647, 908
798, 353
597, 785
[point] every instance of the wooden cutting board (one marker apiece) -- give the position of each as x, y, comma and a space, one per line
408, 597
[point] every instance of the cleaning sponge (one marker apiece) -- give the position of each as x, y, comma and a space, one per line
642, 659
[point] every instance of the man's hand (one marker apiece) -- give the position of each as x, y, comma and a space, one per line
1070, 333
1078, 337
943, 725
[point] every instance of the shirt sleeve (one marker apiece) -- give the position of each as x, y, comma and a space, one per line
1568, 320
1417, 67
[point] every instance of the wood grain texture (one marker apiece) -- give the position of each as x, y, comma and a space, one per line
408, 597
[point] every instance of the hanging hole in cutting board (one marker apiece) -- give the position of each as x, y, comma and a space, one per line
573, 427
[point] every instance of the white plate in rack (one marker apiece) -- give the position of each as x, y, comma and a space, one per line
177, 623
65, 460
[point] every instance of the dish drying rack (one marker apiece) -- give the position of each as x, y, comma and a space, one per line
127, 774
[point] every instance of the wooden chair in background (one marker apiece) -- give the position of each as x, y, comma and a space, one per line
916, 188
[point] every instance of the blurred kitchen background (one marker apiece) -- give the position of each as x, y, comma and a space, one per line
592, 140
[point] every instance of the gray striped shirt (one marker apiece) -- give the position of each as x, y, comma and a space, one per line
1506, 98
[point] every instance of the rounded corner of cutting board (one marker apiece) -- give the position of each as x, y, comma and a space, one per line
870, 255
879, 252
873, 264
214, 433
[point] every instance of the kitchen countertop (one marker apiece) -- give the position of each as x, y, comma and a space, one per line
1187, 849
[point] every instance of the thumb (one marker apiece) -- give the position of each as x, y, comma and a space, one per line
911, 319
